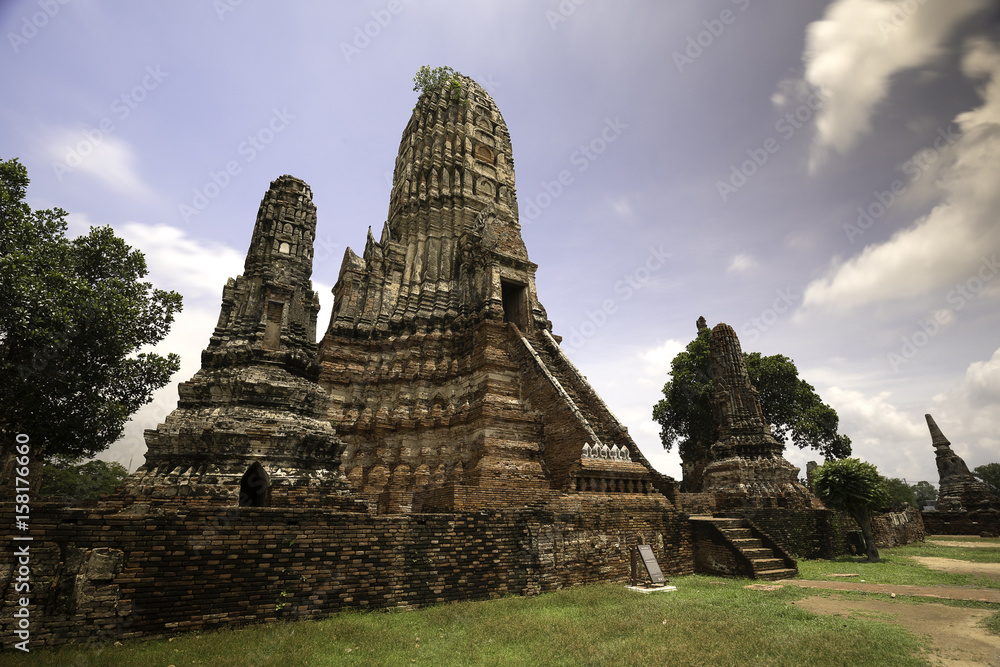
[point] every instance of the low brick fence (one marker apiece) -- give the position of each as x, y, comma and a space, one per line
101, 574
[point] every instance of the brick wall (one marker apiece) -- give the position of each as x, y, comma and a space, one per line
802, 533
697, 503
897, 527
962, 523
714, 554
97, 573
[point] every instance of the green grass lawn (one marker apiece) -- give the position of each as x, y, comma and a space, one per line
707, 621
896, 568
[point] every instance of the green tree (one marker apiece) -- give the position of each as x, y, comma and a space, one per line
74, 480
685, 412
73, 316
790, 405
428, 78
924, 492
989, 475
900, 492
854, 487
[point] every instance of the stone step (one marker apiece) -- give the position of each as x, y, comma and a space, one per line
744, 543
775, 575
761, 564
737, 533
757, 552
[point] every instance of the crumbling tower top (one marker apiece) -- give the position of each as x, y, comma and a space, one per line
455, 150
450, 253
959, 490
269, 313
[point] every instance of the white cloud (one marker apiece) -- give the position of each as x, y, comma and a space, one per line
969, 415
741, 263
955, 243
106, 157
658, 358
196, 268
622, 206
853, 52
982, 383
894, 436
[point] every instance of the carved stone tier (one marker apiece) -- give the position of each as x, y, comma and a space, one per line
747, 468
251, 427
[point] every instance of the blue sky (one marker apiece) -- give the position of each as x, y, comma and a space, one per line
823, 176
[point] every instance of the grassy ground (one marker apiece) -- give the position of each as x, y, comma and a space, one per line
707, 621
896, 568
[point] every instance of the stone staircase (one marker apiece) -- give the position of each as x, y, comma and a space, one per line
566, 377
754, 554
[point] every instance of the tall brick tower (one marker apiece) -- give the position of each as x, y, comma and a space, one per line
445, 379
250, 427
747, 469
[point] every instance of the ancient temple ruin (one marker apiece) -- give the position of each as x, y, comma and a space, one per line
438, 385
436, 445
747, 469
251, 427
959, 490
445, 379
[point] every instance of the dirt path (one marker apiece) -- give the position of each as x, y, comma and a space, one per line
955, 635
985, 570
955, 638
946, 592
964, 545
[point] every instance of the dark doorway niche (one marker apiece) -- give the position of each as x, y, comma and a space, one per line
254, 488
515, 304
272, 331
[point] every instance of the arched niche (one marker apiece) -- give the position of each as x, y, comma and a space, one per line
255, 489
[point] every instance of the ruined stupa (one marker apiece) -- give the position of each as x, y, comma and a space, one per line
438, 386
959, 490
747, 469
445, 379
250, 427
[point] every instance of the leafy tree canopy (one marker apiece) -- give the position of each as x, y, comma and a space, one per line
900, 493
924, 492
428, 78
989, 475
790, 404
854, 487
73, 316
74, 480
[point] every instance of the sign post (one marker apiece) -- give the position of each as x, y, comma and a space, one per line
652, 567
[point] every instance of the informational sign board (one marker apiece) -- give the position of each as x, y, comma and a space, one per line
652, 567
